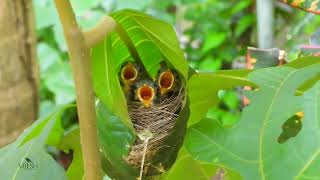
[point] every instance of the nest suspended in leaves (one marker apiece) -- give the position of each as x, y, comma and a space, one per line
155, 123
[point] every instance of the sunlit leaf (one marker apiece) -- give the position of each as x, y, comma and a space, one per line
27, 158
105, 80
115, 141
251, 146
204, 87
158, 37
213, 40
188, 168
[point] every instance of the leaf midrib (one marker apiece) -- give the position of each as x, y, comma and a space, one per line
107, 69
261, 134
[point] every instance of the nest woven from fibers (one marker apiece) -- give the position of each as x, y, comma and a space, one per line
156, 123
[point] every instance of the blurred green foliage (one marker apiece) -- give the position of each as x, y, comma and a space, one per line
214, 35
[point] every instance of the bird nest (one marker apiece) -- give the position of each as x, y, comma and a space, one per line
153, 125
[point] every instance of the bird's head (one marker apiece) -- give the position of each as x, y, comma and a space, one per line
146, 92
129, 73
166, 81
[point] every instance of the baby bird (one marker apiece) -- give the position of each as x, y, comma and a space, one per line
168, 82
146, 92
129, 74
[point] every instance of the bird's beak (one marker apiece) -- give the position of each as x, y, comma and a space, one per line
146, 94
129, 73
165, 82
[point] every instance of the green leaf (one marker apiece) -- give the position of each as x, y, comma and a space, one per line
311, 132
59, 80
47, 107
43, 166
251, 146
213, 40
308, 84
52, 136
188, 168
106, 83
45, 13
240, 6
154, 41
301, 63
115, 141
27, 158
71, 141
48, 57
204, 87
243, 24
304, 62
210, 65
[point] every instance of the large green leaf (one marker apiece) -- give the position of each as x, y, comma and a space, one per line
188, 168
115, 141
311, 125
27, 158
251, 146
203, 90
106, 82
204, 87
154, 41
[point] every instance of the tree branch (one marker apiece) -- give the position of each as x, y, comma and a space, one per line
98, 32
78, 46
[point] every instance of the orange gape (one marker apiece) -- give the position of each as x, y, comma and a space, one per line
129, 73
146, 95
166, 80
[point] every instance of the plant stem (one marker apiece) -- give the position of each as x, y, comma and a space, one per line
102, 29
79, 58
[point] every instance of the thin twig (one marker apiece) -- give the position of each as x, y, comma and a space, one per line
145, 148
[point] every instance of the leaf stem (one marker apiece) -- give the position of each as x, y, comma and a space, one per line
78, 45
